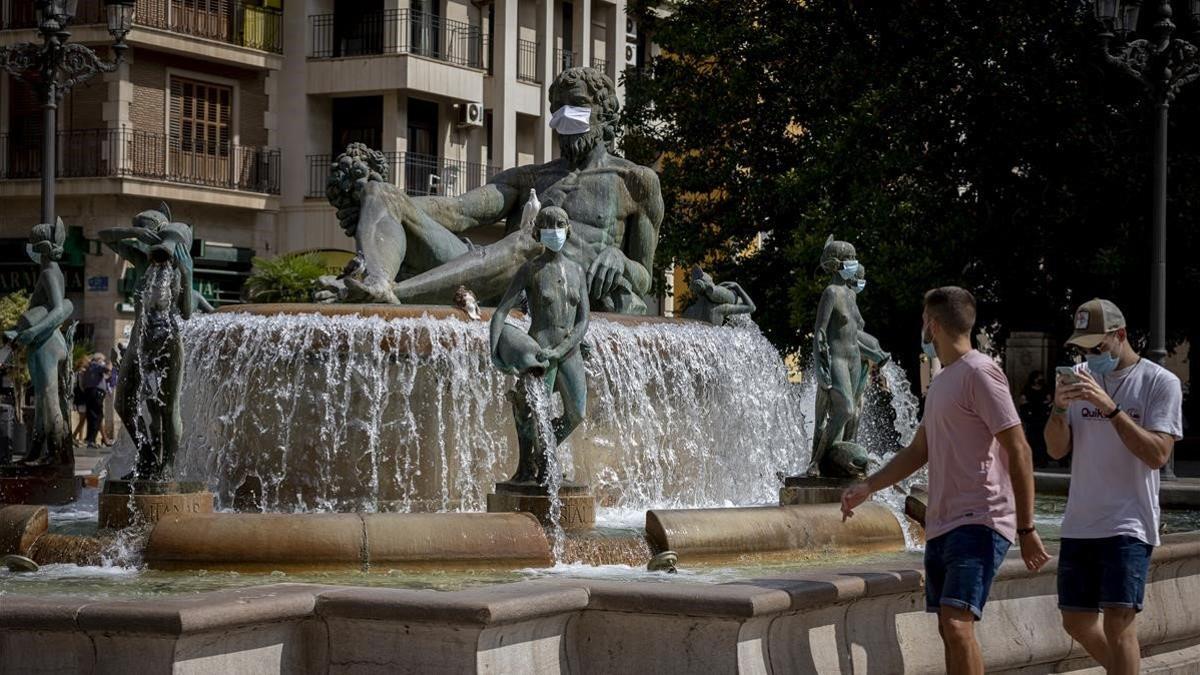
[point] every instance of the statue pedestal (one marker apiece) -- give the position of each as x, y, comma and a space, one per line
39, 484
124, 503
812, 490
578, 510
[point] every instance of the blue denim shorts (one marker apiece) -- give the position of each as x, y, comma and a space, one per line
1098, 573
960, 566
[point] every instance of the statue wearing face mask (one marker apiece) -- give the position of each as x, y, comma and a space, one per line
47, 351
872, 355
838, 358
614, 207
556, 289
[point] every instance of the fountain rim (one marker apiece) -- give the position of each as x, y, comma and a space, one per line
385, 311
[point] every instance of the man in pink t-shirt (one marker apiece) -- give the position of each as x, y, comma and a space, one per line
980, 477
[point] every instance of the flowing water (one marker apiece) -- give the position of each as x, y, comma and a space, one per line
317, 412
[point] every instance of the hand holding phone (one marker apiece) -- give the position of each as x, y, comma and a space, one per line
1067, 375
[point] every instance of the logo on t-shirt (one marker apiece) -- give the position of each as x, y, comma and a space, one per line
1094, 414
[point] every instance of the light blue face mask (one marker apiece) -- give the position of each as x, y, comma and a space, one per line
849, 269
1102, 364
928, 347
860, 285
33, 255
554, 238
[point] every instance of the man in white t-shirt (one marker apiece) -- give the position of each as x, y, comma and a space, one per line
1119, 415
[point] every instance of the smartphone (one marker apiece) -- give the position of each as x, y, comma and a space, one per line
1067, 374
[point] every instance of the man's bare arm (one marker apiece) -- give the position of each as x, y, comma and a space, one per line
1152, 447
903, 464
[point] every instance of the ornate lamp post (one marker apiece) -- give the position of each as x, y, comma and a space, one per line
1163, 65
55, 66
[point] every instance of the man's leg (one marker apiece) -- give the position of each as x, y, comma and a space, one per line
957, 627
1126, 565
1120, 631
1086, 629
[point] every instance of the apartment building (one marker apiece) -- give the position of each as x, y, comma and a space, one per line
232, 110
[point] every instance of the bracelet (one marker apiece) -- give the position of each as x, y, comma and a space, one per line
1059, 411
1116, 411
1022, 531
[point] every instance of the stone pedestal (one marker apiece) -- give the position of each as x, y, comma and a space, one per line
39, 484
578, 510
125, 503
805, 490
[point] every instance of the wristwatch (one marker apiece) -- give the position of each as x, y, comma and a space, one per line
1022, 531
1116, 411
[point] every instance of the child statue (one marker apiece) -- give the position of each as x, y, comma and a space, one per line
47, 351
556, 290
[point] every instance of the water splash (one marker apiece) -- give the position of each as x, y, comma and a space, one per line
366, 413
542, 412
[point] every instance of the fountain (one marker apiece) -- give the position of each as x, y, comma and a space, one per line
360, 445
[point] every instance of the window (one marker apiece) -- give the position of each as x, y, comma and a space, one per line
201, 116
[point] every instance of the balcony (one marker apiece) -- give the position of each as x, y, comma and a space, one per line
527, 62
398, 31
563, 59
228, 21
130, 153
413, 172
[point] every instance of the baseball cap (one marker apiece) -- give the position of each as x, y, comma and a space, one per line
1093, 320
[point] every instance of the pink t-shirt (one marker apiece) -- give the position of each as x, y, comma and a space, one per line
967, 405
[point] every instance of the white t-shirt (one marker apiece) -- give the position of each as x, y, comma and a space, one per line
1112, 491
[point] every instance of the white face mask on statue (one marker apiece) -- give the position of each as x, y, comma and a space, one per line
571, 120
33, 255
554, 238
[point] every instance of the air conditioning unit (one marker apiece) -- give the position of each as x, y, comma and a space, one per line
630, 29
470, 115
631, 55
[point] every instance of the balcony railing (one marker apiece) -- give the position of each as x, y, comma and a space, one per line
97, 153
396, 31
231, 21
412, 171
563, 59
600, 65
527, 62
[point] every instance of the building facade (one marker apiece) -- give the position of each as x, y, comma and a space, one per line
232, 111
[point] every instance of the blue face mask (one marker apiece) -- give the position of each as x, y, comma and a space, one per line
1102, 364
849, 269
554, 238
33, 255
860, 285
928, 347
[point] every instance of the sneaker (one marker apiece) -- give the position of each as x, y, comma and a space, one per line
92, 445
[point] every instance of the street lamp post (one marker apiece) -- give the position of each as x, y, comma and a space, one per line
1163, 65
53, 67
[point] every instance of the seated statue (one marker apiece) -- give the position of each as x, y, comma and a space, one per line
151, 372
47, 351
715, 303
614, 206
556, 289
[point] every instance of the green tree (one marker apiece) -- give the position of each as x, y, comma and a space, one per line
12, 306
974, 143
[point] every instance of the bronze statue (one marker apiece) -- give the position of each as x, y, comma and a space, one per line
614, 206
715, 303
48, 353
556, 288
152, 365
838, 360
872, 356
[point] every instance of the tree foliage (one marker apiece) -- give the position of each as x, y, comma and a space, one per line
983, 144
284, 278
